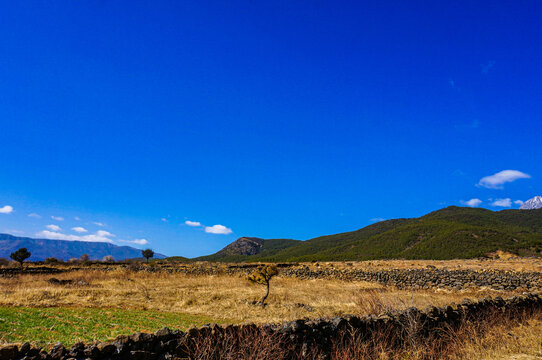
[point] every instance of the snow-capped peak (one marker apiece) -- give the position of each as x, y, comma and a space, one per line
534, 203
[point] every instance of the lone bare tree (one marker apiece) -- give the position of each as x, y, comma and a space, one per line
147, 253
263, 276
20, 256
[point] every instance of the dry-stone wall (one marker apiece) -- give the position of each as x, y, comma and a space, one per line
402, 278
429, 278
300, 338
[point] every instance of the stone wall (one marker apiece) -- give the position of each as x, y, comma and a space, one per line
401, 278
300, 339
429, 278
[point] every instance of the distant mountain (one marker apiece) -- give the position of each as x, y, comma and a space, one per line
449, 233
63, 249
534, 203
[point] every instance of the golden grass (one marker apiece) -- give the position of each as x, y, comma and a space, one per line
506, 263
219, 296
519, 342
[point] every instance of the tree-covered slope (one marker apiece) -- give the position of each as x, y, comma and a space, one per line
249, 249
453, 232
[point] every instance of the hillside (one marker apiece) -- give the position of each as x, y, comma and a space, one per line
453, 232
250, 247
62, 249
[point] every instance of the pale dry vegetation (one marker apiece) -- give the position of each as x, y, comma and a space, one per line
497, 337
505, 261
220, 296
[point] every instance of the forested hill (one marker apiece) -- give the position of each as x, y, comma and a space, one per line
449, 233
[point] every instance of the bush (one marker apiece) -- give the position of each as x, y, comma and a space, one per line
20, 255
51, 260
263, 276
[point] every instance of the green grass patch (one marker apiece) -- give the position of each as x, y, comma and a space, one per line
45, 326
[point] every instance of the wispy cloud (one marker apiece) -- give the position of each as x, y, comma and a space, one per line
471, 202
57, 218
496, 181
519, 202
377, 219
34, 215
99, 223
218, 229
99, 236
79, 229
53, 227
502, 202
192, 223
136, 241
77, 218
164, 220
6, 209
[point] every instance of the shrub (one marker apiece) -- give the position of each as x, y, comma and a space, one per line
147, 253
263, 276
51, 260
20, 255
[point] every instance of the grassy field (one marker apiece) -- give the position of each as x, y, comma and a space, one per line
219, 296
100, 304
70, 325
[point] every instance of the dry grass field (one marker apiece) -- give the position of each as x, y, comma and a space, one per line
222, 297
123, 301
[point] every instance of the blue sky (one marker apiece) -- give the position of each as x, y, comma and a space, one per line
273, 119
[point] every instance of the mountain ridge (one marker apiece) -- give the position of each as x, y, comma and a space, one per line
65, 249
448, 233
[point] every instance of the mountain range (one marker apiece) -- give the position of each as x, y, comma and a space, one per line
65, 250
449, 233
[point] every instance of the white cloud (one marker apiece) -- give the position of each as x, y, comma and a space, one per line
378, 219
502, 202
6, 209
472, 202
104, 233
100, 236
77, 218
164, 219
519, 202
34, 215
57, 218
496, 181
218, 229
53, 227
192, 223
99, 223
136, 241
79, 229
